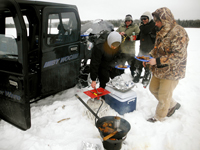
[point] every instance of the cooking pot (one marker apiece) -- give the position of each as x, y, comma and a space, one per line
124, 125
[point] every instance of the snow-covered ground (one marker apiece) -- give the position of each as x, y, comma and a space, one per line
178, 132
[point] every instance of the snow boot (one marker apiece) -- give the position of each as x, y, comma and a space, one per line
152, 120
136, 76
173, 109
146, 78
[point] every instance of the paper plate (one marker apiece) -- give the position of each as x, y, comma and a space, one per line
127, 66
143, 59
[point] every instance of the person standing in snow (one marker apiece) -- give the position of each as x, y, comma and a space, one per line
147, 37
128, 44
104, 56
168, 64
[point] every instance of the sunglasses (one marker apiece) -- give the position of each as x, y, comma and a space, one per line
144, 18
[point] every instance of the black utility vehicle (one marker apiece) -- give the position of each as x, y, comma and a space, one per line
41, 51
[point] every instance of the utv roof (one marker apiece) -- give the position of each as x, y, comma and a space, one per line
39, 3
35, 2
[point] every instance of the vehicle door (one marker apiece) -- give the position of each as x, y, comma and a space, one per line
60, 49
14, 84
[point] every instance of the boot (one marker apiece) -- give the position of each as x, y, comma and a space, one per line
152, 120
136, 76
173, 109
146, 78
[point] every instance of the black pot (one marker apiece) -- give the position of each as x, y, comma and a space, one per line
119, 136
124, 126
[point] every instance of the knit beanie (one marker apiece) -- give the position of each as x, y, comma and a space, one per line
128, 17
114, 37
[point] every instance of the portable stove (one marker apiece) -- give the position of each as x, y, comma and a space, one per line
95, 102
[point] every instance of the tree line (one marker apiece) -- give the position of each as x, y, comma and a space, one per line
183, 23
117, 23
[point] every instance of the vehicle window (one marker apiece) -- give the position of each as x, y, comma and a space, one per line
10, 27
53, 22
8, 45
10, 34
62, 28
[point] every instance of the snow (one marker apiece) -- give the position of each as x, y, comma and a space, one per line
178, 132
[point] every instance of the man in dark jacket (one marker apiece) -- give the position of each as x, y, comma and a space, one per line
147, 37
104, 56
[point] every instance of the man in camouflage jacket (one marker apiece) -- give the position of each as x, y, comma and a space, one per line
168, 64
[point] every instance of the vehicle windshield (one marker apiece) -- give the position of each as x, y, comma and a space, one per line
8, 47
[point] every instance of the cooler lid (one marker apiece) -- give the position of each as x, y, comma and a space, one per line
128, 99
122, 95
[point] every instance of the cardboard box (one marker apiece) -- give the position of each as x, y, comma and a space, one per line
122, 105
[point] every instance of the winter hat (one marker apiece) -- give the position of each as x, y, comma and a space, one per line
147, 14
114, 37
128, 17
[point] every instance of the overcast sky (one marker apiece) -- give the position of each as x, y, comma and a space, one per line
117, 9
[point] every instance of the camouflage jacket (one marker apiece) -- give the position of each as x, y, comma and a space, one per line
170, 48
128, 46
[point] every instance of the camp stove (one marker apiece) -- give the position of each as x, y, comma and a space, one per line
113, 127
95, 102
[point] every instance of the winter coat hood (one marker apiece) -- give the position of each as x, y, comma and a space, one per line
148, 14
167, 19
